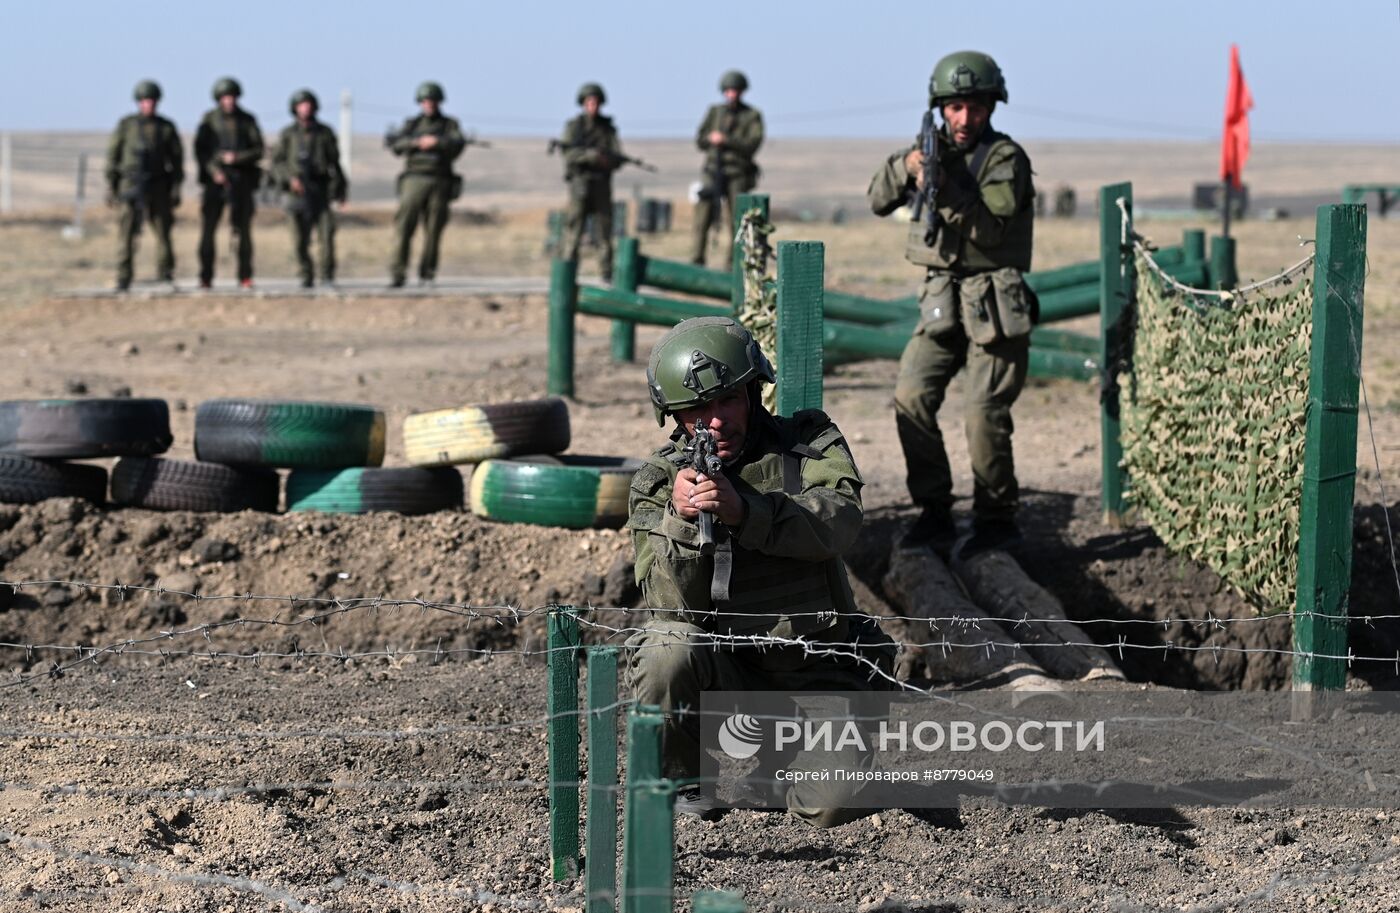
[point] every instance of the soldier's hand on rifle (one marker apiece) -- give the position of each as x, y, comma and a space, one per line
681, 495
219, 177
914, 165
427, 141
297, 187
717, 496
716, 138
228, 157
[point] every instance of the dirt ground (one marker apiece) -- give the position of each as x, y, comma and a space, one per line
389, 755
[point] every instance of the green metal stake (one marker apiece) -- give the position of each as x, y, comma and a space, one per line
563, 742
601, 825
742, 204
1193, 245
801, 275
648, 835
563, 300
626, 272
1117, 277
717, 902
1223, 274
1329, 459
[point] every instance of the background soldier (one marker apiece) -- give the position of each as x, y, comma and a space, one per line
429, 143
591, 154
785, 508
145, 167
975, 308
306, 163
729, 136
227, 147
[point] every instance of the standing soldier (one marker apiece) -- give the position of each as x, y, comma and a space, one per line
306, 163
729, 136
227, 148
591, 154
430, 143
145, 167
975, 307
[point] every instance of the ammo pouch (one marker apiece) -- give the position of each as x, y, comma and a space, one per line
938, 305
997, 305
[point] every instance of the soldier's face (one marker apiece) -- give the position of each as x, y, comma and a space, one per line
966, 119
727, 417
305, 110
591, 104
147, 107
732, 96
429, 107
227, 103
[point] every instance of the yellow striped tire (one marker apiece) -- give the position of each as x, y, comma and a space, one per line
570, 491
471, 434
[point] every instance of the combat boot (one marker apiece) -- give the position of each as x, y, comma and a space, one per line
989, 535
933, 529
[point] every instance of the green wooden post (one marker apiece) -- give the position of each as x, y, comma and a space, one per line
563, 742
1222, 263
1193, 245
1117, 277
1329, 460
625, 275
648, 825
717, 902
801, 275
601, 854
742, 204
563, 297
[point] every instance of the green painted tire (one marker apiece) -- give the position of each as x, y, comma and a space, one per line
471, 434
572, 491
28, 481
154, 483
359, 491
292, 435
81, 428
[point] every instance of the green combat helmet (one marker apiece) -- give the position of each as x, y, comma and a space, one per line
430, 91
146, 88
227, 86
592, 88
733, 79
964, 73
701, 359
301, 95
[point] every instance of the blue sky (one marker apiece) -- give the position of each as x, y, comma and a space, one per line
1076, 70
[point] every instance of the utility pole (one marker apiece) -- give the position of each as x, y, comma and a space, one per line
6, 162
347, 132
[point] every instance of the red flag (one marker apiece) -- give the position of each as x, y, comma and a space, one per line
1234, 144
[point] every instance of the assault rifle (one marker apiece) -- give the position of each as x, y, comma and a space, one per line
140, 185
716, 189
704, 458
925, 208
555, 145
393, 134
311, 203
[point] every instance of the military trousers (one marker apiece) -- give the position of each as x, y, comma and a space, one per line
590, 196
240, 203
670, 663
719, 212
320, 221
422, 198
155, 211
995, 375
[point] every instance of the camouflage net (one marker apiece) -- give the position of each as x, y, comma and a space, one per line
1213, 426
758, 312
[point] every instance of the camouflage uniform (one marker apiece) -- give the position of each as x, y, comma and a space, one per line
426, 187
219, 133
975, 310
738, 173
801, 491
591, 154
310, 153
145, 167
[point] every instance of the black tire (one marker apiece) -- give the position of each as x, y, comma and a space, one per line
27, 481
471, 434
84, 428
571, 490
160, 484
358, 491
293, 435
